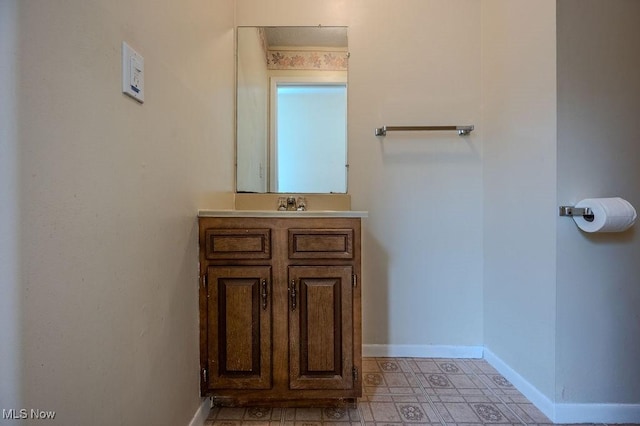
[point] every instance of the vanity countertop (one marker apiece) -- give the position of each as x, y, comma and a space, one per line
277, 213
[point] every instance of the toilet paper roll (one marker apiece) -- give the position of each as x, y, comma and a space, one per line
609, 215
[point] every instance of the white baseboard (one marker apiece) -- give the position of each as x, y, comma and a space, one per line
565, 413
422, 351
597, 413
201, 413
538, 399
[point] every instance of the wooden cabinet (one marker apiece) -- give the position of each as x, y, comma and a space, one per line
321, 327
280, 312
239, 327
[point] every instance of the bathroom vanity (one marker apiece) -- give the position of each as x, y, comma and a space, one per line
280, 309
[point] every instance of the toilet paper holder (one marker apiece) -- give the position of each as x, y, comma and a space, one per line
575, 211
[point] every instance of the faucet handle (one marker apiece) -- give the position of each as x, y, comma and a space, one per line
302, 204
282, 203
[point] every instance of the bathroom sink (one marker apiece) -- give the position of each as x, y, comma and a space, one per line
276, 213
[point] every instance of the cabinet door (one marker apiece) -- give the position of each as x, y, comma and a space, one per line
320, 327
239, 327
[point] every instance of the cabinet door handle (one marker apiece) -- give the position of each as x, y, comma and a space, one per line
293, 295
264, 294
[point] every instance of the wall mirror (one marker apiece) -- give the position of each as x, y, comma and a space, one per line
291, 109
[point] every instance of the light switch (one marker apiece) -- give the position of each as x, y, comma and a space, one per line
132, 73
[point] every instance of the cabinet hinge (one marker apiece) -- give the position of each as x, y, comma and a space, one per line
204, 281
354, 280
355, 374
204, 375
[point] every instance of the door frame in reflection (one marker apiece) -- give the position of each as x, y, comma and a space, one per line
325, 169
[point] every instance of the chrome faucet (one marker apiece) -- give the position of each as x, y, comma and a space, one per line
291, 203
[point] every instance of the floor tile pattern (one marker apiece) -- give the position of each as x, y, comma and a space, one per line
409, 391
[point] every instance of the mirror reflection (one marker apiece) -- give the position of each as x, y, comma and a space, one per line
291, 133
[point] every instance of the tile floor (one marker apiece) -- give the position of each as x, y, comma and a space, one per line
409, 391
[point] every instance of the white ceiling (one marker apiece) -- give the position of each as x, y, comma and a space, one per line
307, 36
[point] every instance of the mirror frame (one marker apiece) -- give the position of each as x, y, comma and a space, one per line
270, 172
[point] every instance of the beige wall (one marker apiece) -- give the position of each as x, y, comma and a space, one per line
519, 118
108, 193
559, 304
252, 112
598, 156
9, 214
418, 63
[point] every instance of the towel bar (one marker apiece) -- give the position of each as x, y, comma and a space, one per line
462, 130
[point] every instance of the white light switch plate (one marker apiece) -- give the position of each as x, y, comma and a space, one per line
132, 73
